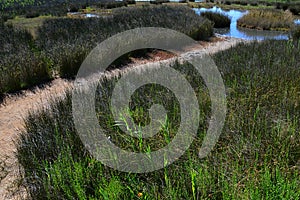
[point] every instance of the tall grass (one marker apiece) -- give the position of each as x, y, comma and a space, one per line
20, 65
53, 7
267, 20
257, 156
63, 43
66, 42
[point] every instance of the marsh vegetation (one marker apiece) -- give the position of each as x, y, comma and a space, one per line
257, 156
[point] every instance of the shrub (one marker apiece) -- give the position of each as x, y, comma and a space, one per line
295, 8
228, 2
281, 5
131, 2
32, 14
243, 3
295, 33
253, 3
220, 20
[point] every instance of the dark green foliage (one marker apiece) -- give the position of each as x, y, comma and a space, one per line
282, 5
219, 20
32, 14
295, 8
255, 157
295, 32
228, 2
253, 3
243, 3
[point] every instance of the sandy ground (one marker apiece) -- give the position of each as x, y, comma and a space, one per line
16, 107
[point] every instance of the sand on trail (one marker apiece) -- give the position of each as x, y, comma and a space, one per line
15, 108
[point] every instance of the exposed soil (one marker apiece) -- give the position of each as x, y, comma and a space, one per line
15, 108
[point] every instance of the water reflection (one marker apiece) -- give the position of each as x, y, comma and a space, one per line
243, 33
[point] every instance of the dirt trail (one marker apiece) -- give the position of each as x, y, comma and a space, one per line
16, 107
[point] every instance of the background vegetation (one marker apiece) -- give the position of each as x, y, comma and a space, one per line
220, 20
61, 44
267, 20
257, 156
21, 65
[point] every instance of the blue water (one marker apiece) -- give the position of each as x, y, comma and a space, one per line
243, 33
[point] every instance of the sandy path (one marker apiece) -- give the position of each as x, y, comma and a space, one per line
15, 109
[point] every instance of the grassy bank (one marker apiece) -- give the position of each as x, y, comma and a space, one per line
267, 20
257, 156
61, 44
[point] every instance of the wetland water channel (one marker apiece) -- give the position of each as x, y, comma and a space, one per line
233, 31
242, 33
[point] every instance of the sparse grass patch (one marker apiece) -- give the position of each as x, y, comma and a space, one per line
267, 20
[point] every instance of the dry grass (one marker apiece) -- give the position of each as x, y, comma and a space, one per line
267, 20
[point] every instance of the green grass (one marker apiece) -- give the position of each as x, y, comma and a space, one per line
256, 157
267, 20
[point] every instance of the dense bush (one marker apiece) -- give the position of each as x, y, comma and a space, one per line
219, 20
295, 8
267, 20
256, 156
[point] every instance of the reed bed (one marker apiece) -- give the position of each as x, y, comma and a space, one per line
66, 42
256, 157
267, 20
20, 65
61, 44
